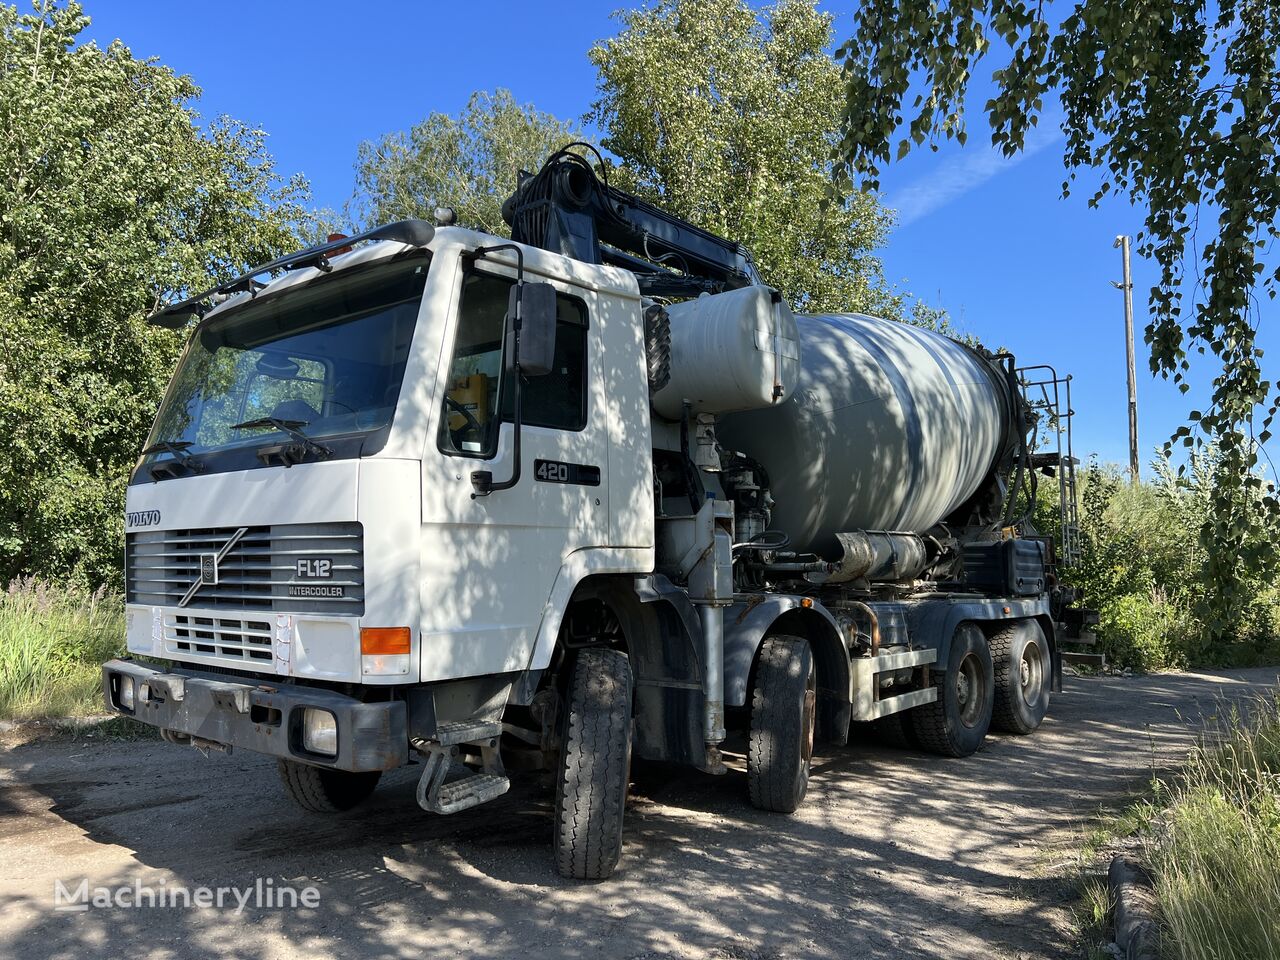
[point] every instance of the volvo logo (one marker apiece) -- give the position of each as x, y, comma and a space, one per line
208, 569
142, 518
208, 576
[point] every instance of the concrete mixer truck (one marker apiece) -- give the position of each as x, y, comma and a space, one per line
489, 507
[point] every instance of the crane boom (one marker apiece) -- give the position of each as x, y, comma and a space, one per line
566, 208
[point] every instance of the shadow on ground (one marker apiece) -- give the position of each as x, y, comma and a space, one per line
895, 854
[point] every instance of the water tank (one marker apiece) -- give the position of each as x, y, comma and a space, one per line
730, 351
890, 427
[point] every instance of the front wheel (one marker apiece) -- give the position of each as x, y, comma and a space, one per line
322, 790
595, 764
1024, 672
783, 710
956, 723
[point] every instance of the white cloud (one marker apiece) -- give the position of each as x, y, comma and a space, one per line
965, 170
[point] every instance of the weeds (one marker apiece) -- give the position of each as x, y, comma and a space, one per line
1216, 849
53, 641
1210, 835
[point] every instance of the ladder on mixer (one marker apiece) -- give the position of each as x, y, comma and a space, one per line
1049, 397
1051, 453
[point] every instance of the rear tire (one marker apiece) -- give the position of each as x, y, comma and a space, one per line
783, 711
321, 790
595, 764
956, 723
1023, 675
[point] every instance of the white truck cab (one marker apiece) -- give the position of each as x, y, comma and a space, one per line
392, 358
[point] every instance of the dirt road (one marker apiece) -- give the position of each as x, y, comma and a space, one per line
894, 855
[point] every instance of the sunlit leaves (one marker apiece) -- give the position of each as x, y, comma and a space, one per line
724, 115
1170, 102
469, 162
113, 197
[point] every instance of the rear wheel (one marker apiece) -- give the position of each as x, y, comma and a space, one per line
595, 763
321, 790
783, 712
1023, 672
956, 723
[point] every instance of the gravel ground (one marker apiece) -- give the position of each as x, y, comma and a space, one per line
893, 855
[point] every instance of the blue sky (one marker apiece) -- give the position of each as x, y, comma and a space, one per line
986, 238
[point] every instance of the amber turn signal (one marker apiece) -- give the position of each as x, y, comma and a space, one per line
376, 640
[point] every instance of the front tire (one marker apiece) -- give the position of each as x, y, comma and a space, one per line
783, 711
322, 790
595, 764
956, 723
1023, 675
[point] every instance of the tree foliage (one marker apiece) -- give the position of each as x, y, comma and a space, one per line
469, 162
1175, 104
1140, 566
725, 116
112, 198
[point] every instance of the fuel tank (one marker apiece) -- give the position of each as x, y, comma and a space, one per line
889, 427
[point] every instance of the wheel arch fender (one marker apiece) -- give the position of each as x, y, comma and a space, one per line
661, 635
747, 623
579, 577
934, 622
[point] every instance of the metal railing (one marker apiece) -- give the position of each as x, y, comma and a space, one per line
1049, 397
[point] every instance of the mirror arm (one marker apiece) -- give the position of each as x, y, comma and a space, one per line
482, 483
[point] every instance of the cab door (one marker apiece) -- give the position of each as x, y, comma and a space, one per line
489, 562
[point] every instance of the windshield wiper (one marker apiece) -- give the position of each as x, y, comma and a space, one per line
291, 427
178, 448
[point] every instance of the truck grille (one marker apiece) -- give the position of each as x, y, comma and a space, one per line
218, 637
290, 568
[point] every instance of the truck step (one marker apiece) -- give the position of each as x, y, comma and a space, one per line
448, 734
1084, 639
468, 792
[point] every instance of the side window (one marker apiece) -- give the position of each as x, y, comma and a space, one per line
479, 387
558, 399
468, 425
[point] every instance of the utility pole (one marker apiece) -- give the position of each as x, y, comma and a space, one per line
1127, 286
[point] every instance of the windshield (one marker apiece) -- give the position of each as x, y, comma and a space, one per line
327, 359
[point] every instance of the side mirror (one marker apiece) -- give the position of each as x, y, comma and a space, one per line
537, 312
531, 311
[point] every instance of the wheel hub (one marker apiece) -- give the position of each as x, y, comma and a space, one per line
1030, 672
970, 691
809, 718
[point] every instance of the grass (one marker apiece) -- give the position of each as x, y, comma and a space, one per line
1211, 837
1215, 850
53, 641
1092, 913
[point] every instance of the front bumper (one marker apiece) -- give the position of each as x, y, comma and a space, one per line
261, 716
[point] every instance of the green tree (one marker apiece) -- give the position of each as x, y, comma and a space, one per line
1175, 103
725, 116
468, 162
113, 197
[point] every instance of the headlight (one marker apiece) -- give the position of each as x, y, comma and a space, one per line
124, 693
319, 732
